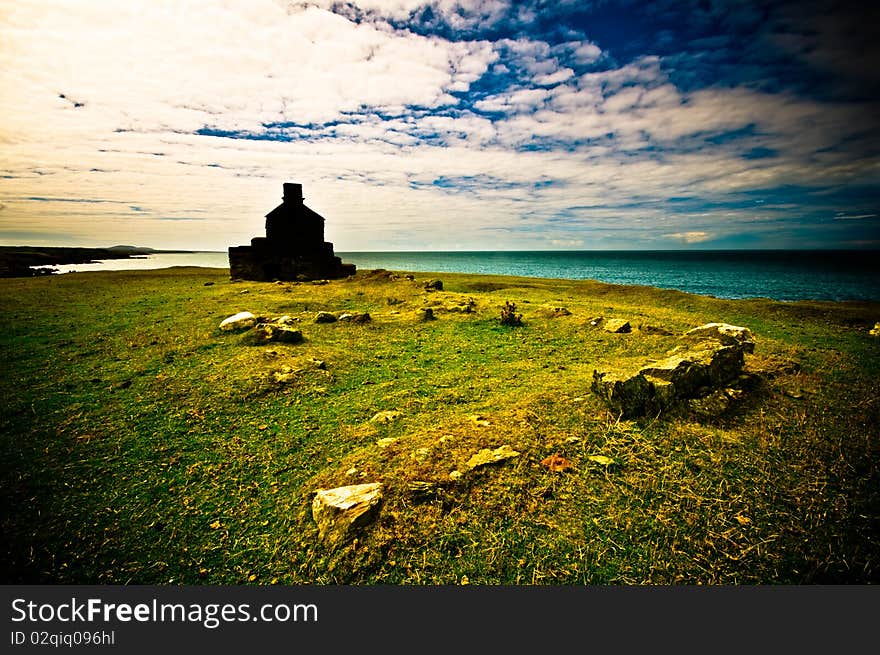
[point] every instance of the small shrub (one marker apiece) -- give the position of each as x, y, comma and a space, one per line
509, 315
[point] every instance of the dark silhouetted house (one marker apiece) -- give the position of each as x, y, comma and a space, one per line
293, 248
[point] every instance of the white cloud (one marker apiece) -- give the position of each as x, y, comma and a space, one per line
690, 237
360, 105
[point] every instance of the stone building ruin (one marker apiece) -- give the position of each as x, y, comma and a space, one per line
293, 248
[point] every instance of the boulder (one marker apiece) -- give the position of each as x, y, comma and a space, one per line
385, 416
729, 335
341, 512
617, 326
269, 332
434, 285
240, 321
325, 317
691, 370
426, 314
355, 317
629, 394
688, 373
875, 331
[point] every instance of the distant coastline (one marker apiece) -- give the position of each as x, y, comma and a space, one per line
19, 261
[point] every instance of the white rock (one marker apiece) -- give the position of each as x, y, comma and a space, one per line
342, 511
238, 321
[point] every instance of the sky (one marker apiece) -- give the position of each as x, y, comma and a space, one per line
442, 124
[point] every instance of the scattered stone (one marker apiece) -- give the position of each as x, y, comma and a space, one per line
284, 375
480, 420
355, 317
421, 489
285, 320
601, 459
426, 314
240, 321
729, 335
319, 364
387, 441
421, 454
617, 326
487, 456
208, 284
596, 321
711, 406
275, 332
341, 512
325, 317
434, 285
385, 416
644, 328
411, 278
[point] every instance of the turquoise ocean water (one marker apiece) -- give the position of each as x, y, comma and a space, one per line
779, 274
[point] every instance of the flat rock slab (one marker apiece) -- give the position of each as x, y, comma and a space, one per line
617, 326
487, 456
341, 512
729, 335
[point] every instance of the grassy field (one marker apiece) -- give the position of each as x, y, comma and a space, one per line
140, 444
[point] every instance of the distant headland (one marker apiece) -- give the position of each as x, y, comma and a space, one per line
19, 261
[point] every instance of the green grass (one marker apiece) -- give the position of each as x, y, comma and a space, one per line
140, 444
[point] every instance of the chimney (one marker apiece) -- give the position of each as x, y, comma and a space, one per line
293, 193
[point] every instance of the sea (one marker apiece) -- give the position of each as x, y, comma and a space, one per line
785, 275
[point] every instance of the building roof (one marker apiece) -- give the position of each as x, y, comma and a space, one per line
301, 212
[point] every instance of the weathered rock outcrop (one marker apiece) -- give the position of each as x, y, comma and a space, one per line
341, 512
712, 359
